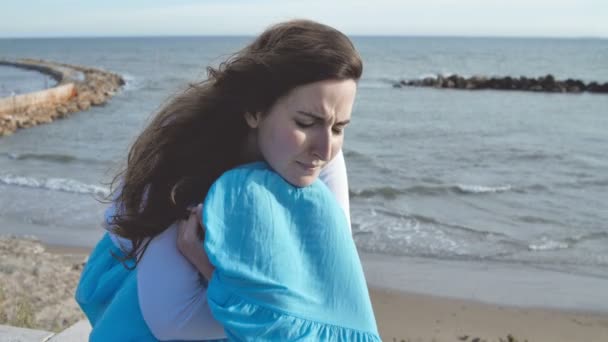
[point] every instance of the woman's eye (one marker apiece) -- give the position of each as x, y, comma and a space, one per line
304, 124
338, 129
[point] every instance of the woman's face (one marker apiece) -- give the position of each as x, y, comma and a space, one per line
304, 130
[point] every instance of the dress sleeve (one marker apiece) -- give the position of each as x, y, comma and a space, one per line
172, 297
335, 177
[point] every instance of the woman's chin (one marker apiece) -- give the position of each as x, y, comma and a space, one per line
302, 181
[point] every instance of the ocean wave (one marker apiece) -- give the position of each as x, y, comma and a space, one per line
398, 234
548, 245
480, 189
56, 184
479, 233
390, 193
51, 157
388, 232
593, 236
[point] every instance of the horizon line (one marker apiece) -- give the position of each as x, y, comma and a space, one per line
588, 37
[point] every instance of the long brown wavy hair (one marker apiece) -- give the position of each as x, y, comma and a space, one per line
201, 132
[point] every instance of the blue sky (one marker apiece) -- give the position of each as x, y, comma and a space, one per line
524, 18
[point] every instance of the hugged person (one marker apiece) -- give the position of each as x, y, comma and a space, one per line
251, 141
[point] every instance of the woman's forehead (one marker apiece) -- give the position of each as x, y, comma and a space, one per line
323, 97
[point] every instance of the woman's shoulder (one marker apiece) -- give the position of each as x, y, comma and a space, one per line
249, 183
260, 177
254, 176
254, 169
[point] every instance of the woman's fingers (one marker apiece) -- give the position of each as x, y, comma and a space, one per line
196, 213
189, 236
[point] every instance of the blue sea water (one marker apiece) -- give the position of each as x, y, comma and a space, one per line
14, 81
513, 183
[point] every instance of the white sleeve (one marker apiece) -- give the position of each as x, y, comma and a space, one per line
172, 298
335, 177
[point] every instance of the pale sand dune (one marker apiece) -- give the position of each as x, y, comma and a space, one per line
37, 288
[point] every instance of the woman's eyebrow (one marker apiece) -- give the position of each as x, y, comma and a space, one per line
313, 115
320, 117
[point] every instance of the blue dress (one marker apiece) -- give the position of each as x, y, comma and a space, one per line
286, 265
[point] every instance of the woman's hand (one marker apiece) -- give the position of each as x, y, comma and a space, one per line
190, 234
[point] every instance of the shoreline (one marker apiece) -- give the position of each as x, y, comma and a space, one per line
515, 285
400, 315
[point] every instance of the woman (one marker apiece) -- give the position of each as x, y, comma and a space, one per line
198, 136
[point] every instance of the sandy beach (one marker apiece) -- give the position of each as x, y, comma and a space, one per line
37, 288
414, 317
37, 284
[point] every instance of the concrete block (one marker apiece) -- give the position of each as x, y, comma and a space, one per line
15, 334
78, 332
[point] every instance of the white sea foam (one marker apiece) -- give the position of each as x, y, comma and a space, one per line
56, 184
548, 245
131, 83
480, 189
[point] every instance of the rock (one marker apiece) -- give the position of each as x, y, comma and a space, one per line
470, 85
84, 104
97, 100
508, 83
460, 82
493, 83
429, 82
44, 119
72, 107
439, 81
546, 83
61, 110
595, 87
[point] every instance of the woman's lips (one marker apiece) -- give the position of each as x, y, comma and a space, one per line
308, 166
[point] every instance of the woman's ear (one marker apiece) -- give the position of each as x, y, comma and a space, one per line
253, 119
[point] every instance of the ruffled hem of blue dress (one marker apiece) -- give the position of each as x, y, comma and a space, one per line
260, 323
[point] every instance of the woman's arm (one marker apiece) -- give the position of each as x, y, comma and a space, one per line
172, 294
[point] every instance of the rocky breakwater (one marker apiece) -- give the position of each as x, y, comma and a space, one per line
546, 83
78, 88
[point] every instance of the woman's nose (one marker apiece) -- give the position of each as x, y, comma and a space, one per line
321, 145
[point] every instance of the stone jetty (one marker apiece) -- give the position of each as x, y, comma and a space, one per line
78, 88
546, 83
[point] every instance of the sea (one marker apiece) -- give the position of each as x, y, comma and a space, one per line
496, 196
